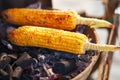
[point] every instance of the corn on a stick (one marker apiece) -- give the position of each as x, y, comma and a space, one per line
59, 19
55, 39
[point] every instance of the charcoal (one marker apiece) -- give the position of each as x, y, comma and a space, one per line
23, 57
33, 51
3, 56
43, 78
73, 74
4, 77
26, 63
45, 51
19, 49
3, 73
54, 77
63, 78
85, 58
17, 73
14, 78
64, 67
27, 77
67, 77
4, 63
81, 66
91, 53
41, 57
64, 55
12, 56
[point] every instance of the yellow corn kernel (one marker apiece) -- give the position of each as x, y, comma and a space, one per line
55, 39
59, 19
48, 38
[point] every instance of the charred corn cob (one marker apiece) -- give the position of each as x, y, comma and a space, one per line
55, 39
59, 19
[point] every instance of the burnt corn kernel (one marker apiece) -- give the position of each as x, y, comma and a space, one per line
59, 19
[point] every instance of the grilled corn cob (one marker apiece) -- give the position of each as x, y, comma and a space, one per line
55, 39
59, 19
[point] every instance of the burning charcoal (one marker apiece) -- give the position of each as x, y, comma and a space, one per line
64, 67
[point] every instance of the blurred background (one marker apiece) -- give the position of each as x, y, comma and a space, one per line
103, 9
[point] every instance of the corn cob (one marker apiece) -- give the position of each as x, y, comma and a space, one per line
59, 19
55, 39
